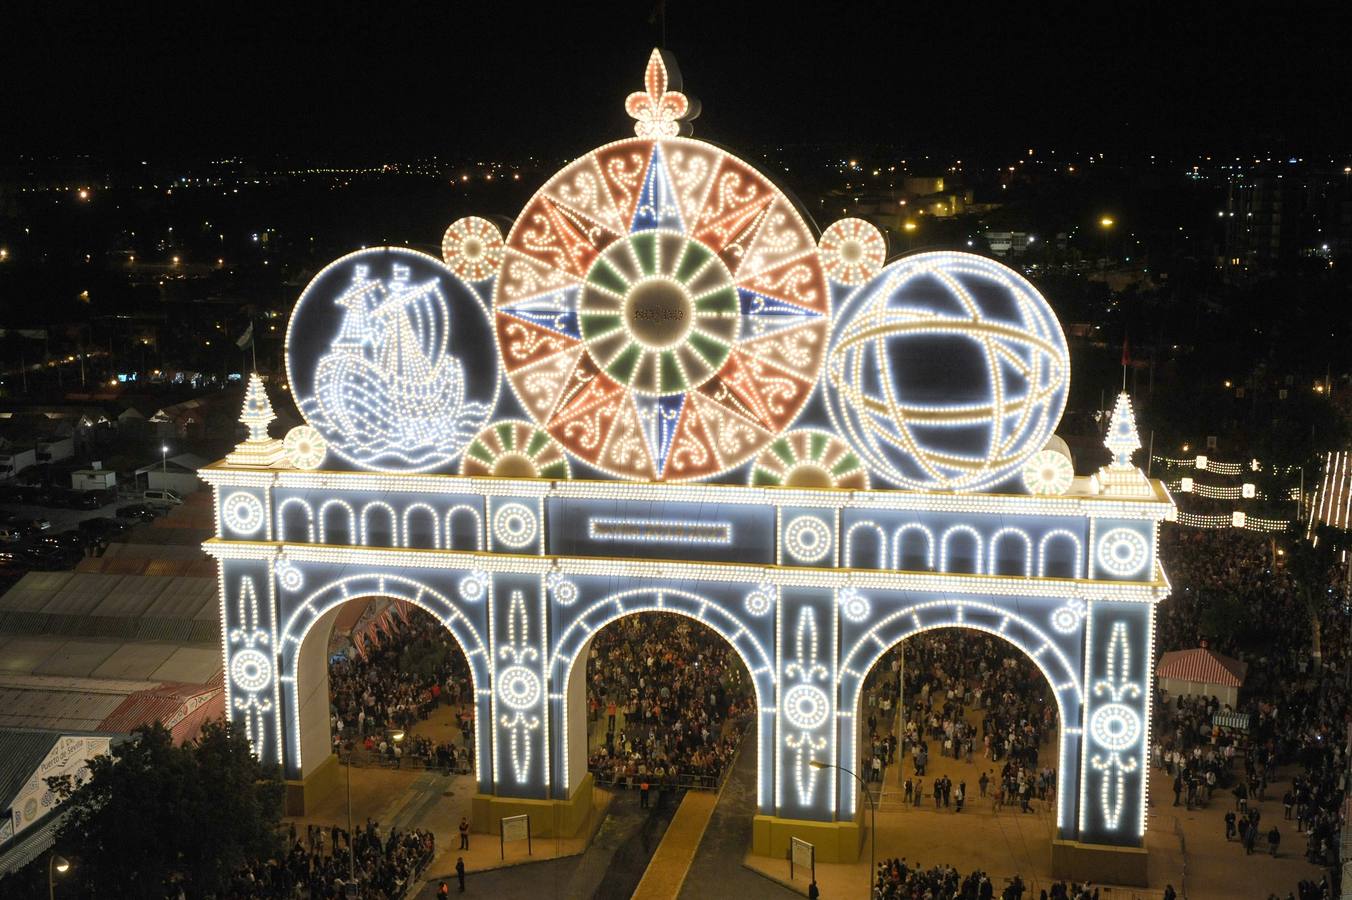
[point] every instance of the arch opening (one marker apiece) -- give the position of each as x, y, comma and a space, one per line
668, 700
955, 704
352, 618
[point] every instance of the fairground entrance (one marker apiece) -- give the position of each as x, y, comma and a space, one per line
662, 315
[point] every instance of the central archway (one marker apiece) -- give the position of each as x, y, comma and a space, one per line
572, 646
657, 678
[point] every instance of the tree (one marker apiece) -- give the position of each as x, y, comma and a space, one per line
152, 814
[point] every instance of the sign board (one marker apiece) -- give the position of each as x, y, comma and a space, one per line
514, 828
802, 855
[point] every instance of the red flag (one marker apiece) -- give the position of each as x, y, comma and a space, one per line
1126, 349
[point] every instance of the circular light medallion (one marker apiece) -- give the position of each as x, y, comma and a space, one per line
661, 310
807, 539
1122, 552
242, 512
761, 600
515, 449
808, 458
1048, 473
806, 706
389, 356
1114, 726
852, 251
854, 605
289, 576
946, 372
472, 248
514, 525
1066, 619
518, 687
304, 447
250, 670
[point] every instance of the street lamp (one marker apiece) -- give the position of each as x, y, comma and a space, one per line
1106, 223
164, 457
55, 864
873, 816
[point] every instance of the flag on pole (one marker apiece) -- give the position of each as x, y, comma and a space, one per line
245, 339
1126, 349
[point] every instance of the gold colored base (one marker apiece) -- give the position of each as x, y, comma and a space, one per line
1101, 863
548, 818
308, 792
834, 841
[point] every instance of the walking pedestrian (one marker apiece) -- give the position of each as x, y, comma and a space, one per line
460, 872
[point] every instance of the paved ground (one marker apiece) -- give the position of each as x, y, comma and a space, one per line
717, 870
611, 866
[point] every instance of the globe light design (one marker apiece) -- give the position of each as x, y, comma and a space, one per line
1048, 472
661, 309
946, 372
852, 251
389, 356
472, 248
305, 447
808, 458
514, 449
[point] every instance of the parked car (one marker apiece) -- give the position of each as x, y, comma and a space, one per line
138, 512
83, 500
64, 540
161, 499
48, 559
24, 524
11, 534
102, 527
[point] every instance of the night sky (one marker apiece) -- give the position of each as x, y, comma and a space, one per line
339, 81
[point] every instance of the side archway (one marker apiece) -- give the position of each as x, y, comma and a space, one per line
302, 661
1059, 667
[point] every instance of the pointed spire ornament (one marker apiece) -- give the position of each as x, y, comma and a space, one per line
258, 448
257, 414
1122, 438
1120, 478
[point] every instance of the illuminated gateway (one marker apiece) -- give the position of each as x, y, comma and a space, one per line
813, 451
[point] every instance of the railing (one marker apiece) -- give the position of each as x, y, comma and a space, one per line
682, 781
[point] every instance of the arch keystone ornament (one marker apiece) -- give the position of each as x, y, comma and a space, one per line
660, 314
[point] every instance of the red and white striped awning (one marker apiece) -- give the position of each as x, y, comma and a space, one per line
1202, 665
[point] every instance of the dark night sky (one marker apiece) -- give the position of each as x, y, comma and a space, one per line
335, 81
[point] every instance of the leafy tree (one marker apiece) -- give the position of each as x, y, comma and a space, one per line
152, 814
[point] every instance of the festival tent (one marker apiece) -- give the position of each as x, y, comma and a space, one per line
1201, 672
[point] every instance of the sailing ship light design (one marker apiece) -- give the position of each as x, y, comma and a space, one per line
389, 383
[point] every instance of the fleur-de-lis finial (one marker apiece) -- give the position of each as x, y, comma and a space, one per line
660, 111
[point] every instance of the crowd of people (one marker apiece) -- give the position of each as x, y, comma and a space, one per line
1295, 696
414, 668
965, 695
895, 880
321, 862
668, 702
